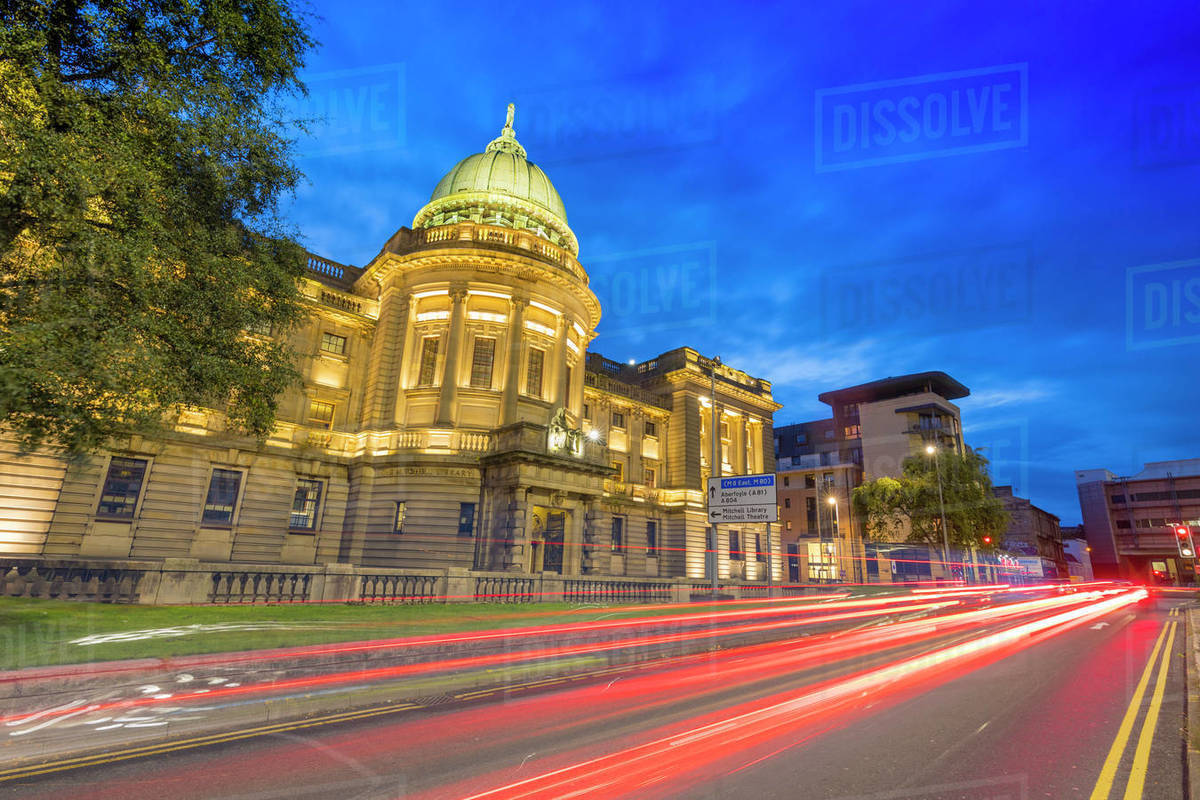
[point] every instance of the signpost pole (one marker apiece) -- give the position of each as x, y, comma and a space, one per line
714, 468
770, 574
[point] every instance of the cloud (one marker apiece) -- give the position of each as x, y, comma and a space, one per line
1015, 395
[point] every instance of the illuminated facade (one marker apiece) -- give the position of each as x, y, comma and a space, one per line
450, 417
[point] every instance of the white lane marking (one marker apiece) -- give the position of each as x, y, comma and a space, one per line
151, 689
52, 721
185, 678
1099, 626
40, 714
215, 681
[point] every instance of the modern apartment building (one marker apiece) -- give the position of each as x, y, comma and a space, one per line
875, 426
1129, 521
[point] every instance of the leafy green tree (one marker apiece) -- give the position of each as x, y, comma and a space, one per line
909, 506
143, 155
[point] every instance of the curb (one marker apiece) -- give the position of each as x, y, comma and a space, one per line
1192, 713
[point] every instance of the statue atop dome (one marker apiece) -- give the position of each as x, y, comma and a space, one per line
507, 142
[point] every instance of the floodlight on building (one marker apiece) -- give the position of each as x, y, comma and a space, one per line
929, 449
593, 434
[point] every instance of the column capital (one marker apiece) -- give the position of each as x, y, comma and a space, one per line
458, 292
520, 300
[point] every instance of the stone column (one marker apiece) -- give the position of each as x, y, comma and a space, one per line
449, 386
559, 394
386, 357
512, 366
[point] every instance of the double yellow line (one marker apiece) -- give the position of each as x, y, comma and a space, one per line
1141, 753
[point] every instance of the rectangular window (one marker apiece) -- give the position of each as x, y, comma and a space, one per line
651, 429
223, 490
649, 477
735, 547
122, 486
1122, 523
801, 438
305, 505
567, 387
620, 470
810, 481
652, 539
398, 522
481, 362
332, 343
852, 432
787, 502
827, 479
786, 481
618, 420
789, 524
587, 411
429, 352
759, 553
466, 519
618, 534
320, 415
533, 375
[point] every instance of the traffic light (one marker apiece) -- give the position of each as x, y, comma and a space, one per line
987, 540
1183, 539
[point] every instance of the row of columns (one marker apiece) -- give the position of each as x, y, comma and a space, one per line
387, 355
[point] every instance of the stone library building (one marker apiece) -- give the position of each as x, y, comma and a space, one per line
450, 420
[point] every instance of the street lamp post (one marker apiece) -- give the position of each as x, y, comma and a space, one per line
937, 465
837, 529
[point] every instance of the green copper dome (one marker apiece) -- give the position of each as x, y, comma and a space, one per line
502, 169
499, 186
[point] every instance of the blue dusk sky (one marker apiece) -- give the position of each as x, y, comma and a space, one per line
825, 194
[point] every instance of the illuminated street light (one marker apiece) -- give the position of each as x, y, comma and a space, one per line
933, 451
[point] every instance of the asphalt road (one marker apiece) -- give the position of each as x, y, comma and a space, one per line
1038, 716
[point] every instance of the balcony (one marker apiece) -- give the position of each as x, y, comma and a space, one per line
492, 236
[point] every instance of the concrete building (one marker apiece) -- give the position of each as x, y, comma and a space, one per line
875, 426
450, 417
1128, 520
1079, 560
1034, 533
